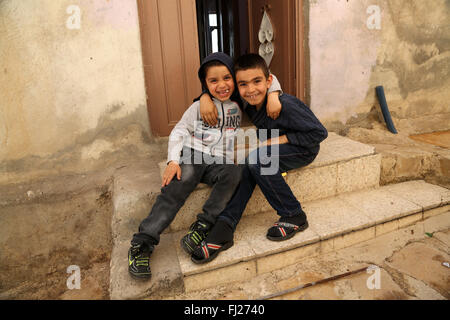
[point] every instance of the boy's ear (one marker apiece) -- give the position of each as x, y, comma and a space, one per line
269, 81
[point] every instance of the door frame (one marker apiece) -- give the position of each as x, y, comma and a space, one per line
171, 60
300, 55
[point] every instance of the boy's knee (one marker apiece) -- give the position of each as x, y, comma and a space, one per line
187, 183
236, 174
232, 173
187, 174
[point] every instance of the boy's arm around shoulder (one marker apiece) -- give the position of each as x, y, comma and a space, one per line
182, 131
276, 85
208, 110
273, 101
307, 130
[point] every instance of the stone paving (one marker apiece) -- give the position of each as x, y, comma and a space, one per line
407, 264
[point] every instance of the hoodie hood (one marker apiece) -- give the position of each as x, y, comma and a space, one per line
217, 56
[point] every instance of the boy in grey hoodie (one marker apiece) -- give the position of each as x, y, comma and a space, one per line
198, 153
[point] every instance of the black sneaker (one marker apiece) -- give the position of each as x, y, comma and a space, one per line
139, 261
198, 232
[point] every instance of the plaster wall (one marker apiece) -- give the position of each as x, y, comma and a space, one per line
403, 45
69, 70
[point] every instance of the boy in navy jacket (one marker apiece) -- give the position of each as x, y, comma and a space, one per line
298, 134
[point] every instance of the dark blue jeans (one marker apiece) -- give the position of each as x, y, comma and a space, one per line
273, 185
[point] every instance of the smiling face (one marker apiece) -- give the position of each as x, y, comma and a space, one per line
220, 82
253, 86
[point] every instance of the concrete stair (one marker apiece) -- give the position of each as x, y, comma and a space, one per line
343, 165
339, 191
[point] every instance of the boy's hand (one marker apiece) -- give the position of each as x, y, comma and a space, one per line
280, 140
208, 110
172, 169
273, 105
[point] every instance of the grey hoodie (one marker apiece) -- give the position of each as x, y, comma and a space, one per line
193, 133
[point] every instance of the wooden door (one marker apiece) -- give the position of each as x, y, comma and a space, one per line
171, 60
287, 21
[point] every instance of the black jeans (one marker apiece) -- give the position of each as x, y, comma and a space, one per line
224, 178
271, 182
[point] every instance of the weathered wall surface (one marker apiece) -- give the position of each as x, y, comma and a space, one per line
71, 78
403, 45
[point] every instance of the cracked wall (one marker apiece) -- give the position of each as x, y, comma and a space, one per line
408, 54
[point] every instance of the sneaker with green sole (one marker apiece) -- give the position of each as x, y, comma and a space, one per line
139, 261
198, 232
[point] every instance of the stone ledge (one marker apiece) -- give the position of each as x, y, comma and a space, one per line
253, 254
421, 193
283, 259
335, 223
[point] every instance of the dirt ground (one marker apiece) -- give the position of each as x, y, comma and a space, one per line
49, 225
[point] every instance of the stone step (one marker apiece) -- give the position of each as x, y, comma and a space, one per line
343, 165
335, 222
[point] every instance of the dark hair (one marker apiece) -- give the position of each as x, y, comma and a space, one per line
204, 70
251, 61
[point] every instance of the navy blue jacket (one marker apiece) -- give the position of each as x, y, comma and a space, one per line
296, 121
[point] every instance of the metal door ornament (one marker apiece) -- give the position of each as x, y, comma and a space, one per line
265, 37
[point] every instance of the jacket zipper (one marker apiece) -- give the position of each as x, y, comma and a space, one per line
221, 129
